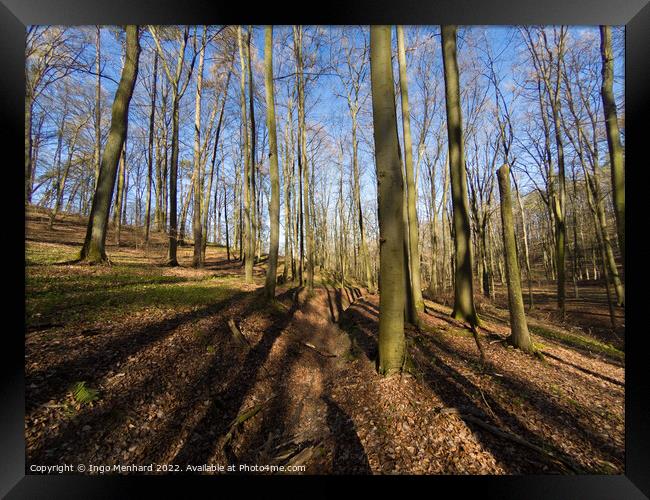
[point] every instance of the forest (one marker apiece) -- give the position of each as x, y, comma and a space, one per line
325, 249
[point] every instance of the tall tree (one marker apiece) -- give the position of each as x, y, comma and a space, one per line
98, 102
303, 169
463, 285
519, 336
197, 258
255, 209
352, 77
391, 198
247, 233
147, 217
214, 155
617, 166
413, 237
119, 198
548, 66
178, 90
274, 206
93, 249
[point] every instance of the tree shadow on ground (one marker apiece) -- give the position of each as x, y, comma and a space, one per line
552, 412
226, 404
131, 403
359, 327
563, 339
455, 390
97, 360
293, 421
349, 455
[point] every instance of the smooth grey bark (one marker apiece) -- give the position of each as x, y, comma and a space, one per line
390, 189
274, 205
519, 336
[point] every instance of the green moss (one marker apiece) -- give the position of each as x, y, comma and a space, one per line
580, 341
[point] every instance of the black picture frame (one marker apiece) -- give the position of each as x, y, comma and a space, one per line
15, 15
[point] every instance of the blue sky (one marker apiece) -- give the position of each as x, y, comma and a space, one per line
323, 106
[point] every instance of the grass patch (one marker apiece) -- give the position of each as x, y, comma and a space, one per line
39, 254
98, 304
118, 276
72, 294
579, 341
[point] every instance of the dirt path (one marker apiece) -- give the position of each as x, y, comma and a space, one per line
301, 368
334, 414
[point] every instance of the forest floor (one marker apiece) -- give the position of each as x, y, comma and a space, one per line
166, 381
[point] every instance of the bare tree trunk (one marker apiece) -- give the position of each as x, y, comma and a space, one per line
302, 131
225, 216
98, 104
147, 217
93, 249
391, 195
613, 136
214, 154
197, 229
413, 238
287, 181
526, 252
519, 336
29, 103
463, 286
253, 143
247, 229
117, 213
274, 206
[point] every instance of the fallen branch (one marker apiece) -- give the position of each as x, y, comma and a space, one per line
237, 334
464, 414
303, 456
292, 440
243, 417
486, 404
324, 354
582, 369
